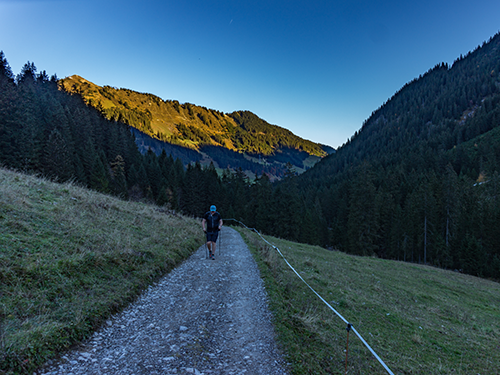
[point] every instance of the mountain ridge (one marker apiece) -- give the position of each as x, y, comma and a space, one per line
411, 183
198, 128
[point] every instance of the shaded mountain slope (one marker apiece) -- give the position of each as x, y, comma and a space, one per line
407, 184
434, 113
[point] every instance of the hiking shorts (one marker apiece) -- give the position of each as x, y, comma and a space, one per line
212, 236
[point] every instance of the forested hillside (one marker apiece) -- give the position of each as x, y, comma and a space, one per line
222, 138
419, 182
47, 131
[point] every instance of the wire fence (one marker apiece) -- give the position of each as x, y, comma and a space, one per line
349, 325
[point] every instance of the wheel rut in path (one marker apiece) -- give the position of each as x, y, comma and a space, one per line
204, 317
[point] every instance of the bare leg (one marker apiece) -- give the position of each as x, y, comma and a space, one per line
214, 246
209, 247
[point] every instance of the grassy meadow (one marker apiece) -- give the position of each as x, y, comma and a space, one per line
70, 257
418, 319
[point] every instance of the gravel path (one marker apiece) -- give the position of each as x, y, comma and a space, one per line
205, 317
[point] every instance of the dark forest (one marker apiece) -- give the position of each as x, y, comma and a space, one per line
419, 182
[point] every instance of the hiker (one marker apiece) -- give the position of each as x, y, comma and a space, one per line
212, 224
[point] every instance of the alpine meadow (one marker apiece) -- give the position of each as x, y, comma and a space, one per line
412, 199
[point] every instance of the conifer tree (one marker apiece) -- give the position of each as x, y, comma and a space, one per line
100, 178
154, 173
118, 177
57, 161
260, 205
194, 192
28, 121
362, 224
27, 75
9, 138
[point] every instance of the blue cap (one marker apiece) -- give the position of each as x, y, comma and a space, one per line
212, 208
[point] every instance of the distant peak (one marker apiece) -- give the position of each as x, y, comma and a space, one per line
76, 77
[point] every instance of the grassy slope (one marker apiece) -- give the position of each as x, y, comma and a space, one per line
69, 258
418, 319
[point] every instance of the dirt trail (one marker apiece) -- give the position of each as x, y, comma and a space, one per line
205, 317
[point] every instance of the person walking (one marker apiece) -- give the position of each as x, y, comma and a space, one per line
211, 224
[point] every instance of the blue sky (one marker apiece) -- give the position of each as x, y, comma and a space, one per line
318, 68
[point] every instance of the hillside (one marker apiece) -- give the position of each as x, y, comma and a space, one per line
406, 185
418, 319
71, 257
214, 135
47, 131
419, 182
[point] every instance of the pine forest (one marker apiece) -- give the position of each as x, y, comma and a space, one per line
419, 182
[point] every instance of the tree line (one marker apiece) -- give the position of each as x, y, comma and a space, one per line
419, 182
47, 131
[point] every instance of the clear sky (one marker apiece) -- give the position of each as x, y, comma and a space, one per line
318, 68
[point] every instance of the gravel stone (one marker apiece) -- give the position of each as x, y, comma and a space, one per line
204, 317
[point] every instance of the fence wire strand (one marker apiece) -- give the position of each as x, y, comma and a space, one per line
317, 295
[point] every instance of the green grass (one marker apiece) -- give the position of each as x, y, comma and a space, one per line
418, 319
69, 258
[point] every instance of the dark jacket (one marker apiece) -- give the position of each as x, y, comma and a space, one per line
213, 221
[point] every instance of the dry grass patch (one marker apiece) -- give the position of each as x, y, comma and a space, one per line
70, 257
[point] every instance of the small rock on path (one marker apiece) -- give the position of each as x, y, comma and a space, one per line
204, 317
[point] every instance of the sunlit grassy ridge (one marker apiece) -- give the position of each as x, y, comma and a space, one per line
419, 319
70, 257
190, 125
